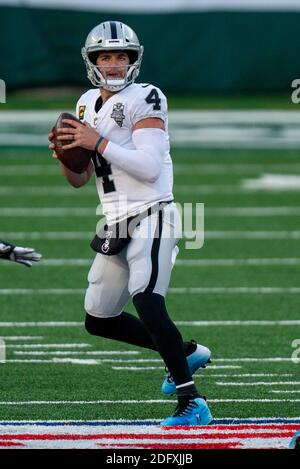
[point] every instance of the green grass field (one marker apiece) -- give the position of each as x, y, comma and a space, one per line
234, 386
65, 97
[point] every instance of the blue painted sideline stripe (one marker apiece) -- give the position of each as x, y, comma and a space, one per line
106, 423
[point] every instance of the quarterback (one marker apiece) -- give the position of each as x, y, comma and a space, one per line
126, 124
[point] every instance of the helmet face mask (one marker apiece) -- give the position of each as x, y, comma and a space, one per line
112, 36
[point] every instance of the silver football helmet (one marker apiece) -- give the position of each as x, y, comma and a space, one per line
111, 36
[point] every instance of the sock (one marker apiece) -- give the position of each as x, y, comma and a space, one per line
152, 310
126, 328
188, 390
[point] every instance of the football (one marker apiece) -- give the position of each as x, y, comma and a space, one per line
76, 159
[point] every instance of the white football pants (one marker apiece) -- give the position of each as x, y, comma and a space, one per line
145, 264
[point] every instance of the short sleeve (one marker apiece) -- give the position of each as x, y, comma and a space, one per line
149, 102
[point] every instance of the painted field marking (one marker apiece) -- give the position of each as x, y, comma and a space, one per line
66, 191
179, 168
135, 401
212, 189
259, 383
246, 323
21, 337
174, 290
85, 353
252, 262
223, 433
88, 361
30, 346
87, 235
143, 368
283, 391
273, 182
41, 324
33, 212
231, 168
235, 422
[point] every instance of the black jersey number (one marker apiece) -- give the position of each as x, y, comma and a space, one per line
154, 99
103, 170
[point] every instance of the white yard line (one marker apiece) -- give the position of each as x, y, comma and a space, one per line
137, 368
235, 262
41, 324
29, 346
91, 211
91, 190
254, 359
283, 391
21, 337
50, 235
33, 212
179, 168
278, 234
246, 323
135, 401
29, 169
243, 375
270, 421
235, 290
223, 367
207, 375
154, 360
144, 368
179, 189
42, 291
258, 383
75, 361
87, 235
45, 190
95, 352
180, 262
229, 168
252, 211
175, 291
213, 323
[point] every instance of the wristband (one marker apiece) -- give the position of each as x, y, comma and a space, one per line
99, 141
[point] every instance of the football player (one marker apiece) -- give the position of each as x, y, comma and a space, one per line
126, 124
18, 254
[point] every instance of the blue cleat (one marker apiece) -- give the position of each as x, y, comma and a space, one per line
189, 411
295, 442
198, 358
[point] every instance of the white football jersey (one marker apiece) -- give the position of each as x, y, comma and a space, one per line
121, 194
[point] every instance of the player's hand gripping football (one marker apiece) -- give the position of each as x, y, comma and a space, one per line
51, 138
82, 135
19, 254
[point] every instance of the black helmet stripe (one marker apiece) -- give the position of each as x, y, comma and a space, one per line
113, 29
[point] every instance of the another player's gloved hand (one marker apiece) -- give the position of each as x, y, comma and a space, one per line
19, 254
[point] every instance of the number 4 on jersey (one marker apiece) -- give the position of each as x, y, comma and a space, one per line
155, 99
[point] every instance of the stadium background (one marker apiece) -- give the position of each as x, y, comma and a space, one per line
227, 67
